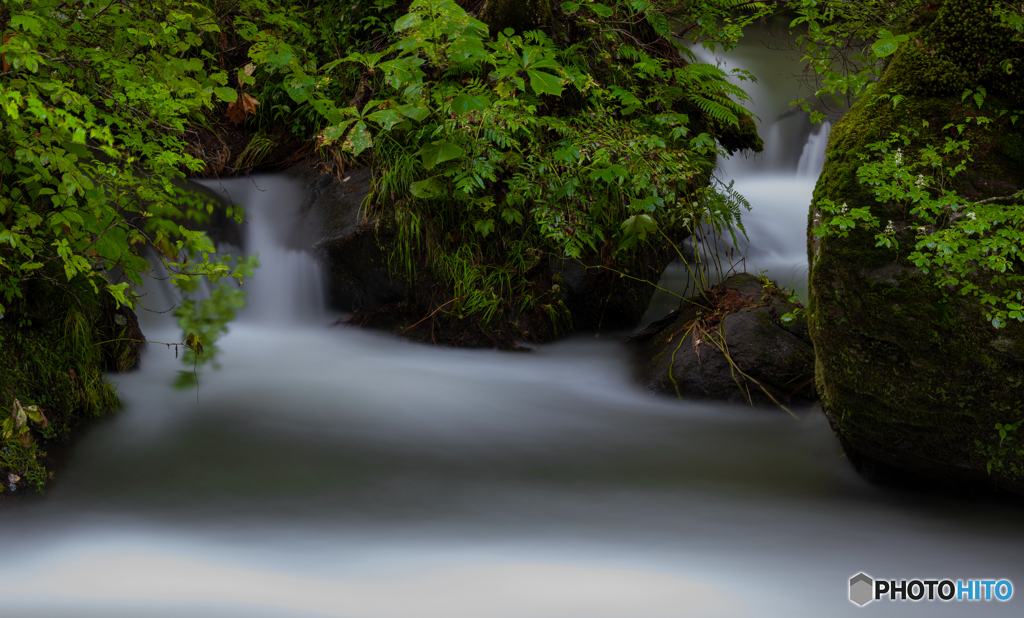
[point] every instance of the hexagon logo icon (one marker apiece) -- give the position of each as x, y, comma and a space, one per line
860, 589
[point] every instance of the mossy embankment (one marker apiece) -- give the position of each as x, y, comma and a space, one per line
55, 345
913, 377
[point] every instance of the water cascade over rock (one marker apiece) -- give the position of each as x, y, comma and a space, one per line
342, 472
745, 340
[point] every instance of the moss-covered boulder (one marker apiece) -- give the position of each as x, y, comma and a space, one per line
55, 345
915, 381
742, 342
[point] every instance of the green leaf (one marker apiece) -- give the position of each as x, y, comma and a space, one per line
511, 215
228, 95
465, 103
117, 291
332, 133
639, 226
636, 228
484, 226
78, 150
885, 47
612, 173
537, 58
568, 154
601, 9
570, 7
386, 118
427, 189
36, 415
410, 20
439, 152
466, 47
415, 112
26, 22
358, 139
648, 203
545, 83
298, 87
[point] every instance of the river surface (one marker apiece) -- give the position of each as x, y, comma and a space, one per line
328, 471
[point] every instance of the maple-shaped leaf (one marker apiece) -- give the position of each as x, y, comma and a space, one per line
241, 108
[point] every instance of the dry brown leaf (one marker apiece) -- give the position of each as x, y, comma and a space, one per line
241, 108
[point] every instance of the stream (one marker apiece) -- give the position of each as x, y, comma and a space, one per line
329, 471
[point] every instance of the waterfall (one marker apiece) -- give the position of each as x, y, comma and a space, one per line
288, 285
812, 159
779, 182
344, 472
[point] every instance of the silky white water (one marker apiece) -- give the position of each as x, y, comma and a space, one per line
328, 471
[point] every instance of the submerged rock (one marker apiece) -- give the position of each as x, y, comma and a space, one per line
914, 379
740, 343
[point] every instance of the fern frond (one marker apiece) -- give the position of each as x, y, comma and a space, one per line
715, 110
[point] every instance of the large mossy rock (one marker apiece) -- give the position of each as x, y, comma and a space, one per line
55, 345
912, 377
740, 343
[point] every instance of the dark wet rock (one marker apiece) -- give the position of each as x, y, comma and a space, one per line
734, 345
348, 244
331, 209
913, 377
601, 300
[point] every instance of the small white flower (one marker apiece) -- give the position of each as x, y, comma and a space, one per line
898, 158
920, 180
972, 216
921, 230
845, 208
889, 229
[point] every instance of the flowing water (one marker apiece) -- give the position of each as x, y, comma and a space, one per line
328, 471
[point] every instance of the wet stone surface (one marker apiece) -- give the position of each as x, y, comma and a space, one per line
744, 342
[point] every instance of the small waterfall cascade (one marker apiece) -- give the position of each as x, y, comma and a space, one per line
339, 472
812, 159
288, 285
779, 182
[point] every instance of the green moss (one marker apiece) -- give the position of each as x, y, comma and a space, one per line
906, 370
54, 348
